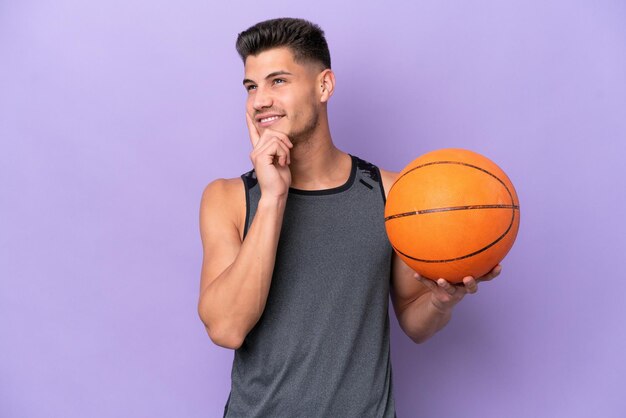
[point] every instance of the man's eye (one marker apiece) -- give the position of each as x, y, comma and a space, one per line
250, 87
279, 80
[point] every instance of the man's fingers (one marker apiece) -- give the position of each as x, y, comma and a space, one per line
254, 133
268, 135
470, 284
283, 157
272, 150
282, 137
440, 285
279, 140
447, 286
425, 281
492, 274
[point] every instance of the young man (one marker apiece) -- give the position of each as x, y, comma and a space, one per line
297, 268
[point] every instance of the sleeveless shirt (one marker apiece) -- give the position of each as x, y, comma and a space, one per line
321, 347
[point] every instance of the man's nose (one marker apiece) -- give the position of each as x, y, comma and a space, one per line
262, 98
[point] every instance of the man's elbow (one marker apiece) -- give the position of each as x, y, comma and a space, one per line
225, 338
418, 335
419, 339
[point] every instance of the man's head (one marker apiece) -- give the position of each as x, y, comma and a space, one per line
287, 77
305, 40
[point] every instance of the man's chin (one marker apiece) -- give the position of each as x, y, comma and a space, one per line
277, 128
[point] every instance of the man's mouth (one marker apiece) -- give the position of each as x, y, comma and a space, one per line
268, 120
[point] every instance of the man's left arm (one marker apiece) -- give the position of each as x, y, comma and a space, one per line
423, 306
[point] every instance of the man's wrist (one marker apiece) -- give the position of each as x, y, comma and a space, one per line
272, 201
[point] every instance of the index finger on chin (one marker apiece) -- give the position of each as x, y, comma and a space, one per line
254, 133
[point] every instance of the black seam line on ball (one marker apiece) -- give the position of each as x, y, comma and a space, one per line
464, 256
450, 209
513, 206
458, 163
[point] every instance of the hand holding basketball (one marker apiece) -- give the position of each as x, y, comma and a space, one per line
271, 158
444, 295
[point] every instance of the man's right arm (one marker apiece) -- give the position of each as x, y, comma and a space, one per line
236, 272
236, 275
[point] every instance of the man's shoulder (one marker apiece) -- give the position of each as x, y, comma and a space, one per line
224, 203
224, 188
388, 178
224, 198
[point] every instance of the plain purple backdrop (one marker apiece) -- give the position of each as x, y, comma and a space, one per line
115, 115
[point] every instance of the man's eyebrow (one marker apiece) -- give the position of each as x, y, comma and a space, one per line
270, 75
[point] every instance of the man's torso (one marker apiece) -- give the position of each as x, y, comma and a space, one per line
321, 347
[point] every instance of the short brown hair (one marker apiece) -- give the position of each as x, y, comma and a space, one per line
305, 39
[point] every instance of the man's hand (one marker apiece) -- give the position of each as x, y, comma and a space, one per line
270, 157
444, 295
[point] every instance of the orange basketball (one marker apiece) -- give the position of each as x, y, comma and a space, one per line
452, 213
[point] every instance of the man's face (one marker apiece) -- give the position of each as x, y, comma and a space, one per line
282, 94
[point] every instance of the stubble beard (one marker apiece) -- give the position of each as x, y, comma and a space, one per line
305, 135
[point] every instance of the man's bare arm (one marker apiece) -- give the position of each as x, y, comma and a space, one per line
424, 306
237, 272
236, 275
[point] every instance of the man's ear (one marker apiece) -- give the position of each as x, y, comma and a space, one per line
326, 84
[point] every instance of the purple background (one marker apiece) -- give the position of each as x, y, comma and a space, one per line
115, 115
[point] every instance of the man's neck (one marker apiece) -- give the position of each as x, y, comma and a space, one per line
319, 165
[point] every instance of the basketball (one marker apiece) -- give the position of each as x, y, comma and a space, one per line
452, 213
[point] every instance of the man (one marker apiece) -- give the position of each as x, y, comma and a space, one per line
297, 268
